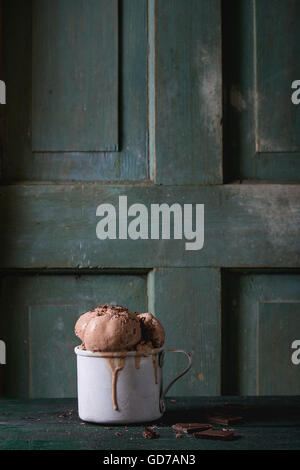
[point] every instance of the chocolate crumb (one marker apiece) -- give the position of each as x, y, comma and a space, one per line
149, 434
65, 414
117, 433
178, 436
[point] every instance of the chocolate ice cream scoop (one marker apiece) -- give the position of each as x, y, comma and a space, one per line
109, 329
152, 330
82, 323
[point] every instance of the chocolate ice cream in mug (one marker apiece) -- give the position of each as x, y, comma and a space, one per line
119, 366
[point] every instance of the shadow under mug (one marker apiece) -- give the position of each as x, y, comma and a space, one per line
122, 387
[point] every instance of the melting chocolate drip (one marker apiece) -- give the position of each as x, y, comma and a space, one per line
115, 369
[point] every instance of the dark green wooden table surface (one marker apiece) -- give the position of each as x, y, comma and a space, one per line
269, 423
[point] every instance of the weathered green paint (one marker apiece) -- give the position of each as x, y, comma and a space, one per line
45, 309
260, 46
51, 341
38, 325
269, 423
183, 300
169, 83
278, 328
260, 320
188, 92
130, 163
55, 226
277, 118
75, 75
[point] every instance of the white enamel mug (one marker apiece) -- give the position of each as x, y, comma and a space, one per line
122, 387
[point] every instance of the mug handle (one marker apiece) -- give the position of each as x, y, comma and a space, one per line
163, 394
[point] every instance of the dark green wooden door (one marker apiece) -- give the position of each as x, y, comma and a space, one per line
162, 101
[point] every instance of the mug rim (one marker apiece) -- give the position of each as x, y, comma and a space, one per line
84, 352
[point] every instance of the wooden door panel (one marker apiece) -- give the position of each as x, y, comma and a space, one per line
75, 112
161, 76
261, 319
278, 328
188, 92
75, 75
51, 368
260, 47
55, 226
38, 325
277, 46
188, 301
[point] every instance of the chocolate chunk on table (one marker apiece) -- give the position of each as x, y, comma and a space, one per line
191, 427
149, 434
225, 420
216, 434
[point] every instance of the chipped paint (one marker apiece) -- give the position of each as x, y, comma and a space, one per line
236, 99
